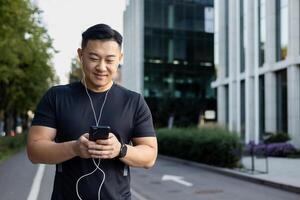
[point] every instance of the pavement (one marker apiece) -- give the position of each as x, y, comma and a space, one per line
281, 173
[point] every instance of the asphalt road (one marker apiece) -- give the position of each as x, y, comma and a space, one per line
168, 180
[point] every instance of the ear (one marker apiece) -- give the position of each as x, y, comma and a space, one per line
79, 53
121, 57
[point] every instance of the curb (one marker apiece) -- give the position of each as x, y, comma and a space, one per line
236, 174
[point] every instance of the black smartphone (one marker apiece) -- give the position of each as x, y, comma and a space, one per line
99, 132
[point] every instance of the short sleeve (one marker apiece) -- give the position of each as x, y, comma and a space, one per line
143, 124
45, 114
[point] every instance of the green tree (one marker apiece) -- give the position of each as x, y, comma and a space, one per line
76, 73
26, 51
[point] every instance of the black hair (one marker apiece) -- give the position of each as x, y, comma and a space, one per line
101, 32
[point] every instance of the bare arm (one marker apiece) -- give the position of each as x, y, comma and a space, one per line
143, 153
41, 147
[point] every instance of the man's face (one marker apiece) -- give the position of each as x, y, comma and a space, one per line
100, 60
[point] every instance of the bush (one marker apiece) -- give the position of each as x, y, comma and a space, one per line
9, 145
282, 149
276, 138
213, 146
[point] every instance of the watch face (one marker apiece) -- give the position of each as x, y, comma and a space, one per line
123, 151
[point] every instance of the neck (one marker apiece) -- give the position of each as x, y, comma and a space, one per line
95, 88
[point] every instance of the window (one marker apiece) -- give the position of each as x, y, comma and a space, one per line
209, 19
227, 105
282, 29
243, 108
216, 38
261, 96
281, 101
226, 38
262, 31
243, 33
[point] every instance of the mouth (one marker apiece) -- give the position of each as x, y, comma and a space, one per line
100, 76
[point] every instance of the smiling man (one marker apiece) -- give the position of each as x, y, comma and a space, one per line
87, 169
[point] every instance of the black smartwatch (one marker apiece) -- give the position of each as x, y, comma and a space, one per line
123, 151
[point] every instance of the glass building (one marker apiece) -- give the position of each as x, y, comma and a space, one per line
177, 58
258, 83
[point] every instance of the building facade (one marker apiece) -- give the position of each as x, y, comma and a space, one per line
257, 58
168, 46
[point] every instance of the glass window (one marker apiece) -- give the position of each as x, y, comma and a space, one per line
178, 61
243, 112
261, 96
282, 29
281, 101
170, 16
179, 17
226, 38
243, 33
216, 39
180, 49
262, 31
227, 105
199, 18
209, 19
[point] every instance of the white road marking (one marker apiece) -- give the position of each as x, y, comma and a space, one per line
137, 195
177, 179
35, 187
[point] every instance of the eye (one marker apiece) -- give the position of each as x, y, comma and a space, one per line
110, 61
93, 58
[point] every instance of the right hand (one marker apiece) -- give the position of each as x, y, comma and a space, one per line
81, 146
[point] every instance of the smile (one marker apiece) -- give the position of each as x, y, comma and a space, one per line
100, 75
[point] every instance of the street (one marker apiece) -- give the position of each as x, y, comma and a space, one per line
168, 180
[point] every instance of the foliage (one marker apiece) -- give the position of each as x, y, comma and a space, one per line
282, 149
76, 73
276, 138
26, 50
10, 145
213, 146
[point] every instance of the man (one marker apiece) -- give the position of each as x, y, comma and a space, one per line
59, 132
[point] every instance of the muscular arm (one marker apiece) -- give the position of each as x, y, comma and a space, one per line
41, 147
143, 153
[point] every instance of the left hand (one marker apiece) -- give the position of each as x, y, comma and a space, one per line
105, 149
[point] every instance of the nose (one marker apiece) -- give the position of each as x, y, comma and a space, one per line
101, 66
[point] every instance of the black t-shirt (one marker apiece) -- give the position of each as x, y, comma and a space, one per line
67, 109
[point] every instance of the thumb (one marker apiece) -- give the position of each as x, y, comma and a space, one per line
86, 136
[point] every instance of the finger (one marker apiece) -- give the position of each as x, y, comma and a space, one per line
86, 135
101, 148
111, 135
86, 142
100, 154
108, 141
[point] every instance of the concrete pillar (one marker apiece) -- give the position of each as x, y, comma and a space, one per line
294, 26
221, 105
222, 39
270, 102
233, 98
270, 51
293, 73
250, 111
255, 65
270, 77
249, 71
133, 68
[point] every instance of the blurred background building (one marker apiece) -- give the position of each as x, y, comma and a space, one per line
168, 47
257, 57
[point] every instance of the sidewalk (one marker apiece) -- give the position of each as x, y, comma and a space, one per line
284, 173
281, 170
